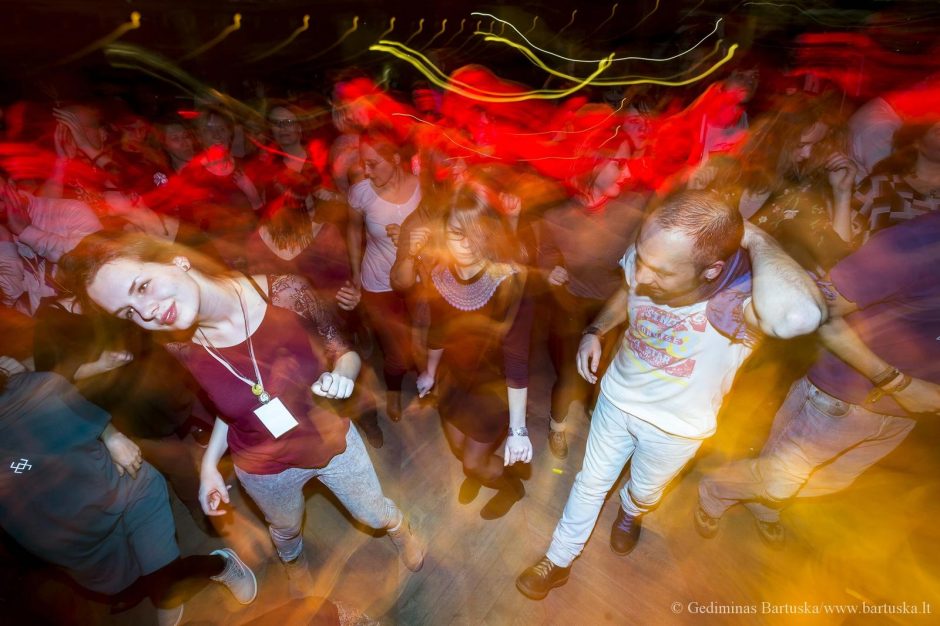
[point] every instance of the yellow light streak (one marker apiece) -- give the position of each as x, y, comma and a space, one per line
302, 28
228, 30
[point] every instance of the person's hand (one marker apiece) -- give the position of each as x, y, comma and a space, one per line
518, 450
212, 492
334, 386
113, 359
14, 206
702, 177
558, 276
425, 383
418, 239
393, 230
124, 452
511, 203
64, 143
589, 357
348, 296
919, 397
842, 172
71, 121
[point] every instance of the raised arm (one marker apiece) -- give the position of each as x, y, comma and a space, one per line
785, 300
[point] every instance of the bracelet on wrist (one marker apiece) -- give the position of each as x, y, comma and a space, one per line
901, 385
885, 377
592, 330
518, 432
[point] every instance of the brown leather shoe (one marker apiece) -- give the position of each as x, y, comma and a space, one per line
536, 581
558, 444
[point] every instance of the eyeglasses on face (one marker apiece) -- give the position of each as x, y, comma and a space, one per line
283, 123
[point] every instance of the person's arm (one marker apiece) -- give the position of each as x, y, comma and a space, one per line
124, 452
339, 383
918, 396
428, 377
518, 447
354, 245
109, 360
785, 300
12, 279
73, 220
842, 171
611, 316
212, 489
411, 243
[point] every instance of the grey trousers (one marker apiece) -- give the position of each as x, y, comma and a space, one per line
350, 476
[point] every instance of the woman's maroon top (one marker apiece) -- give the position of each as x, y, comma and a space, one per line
296, 342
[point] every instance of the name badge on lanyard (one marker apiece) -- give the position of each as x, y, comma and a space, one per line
275, 417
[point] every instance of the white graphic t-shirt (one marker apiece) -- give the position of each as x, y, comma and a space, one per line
673, 368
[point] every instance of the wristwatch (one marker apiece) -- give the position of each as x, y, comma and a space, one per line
592, 330
519, 432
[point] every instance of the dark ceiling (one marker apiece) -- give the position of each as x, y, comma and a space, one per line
44, 43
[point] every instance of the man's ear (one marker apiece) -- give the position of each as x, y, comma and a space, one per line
713, 271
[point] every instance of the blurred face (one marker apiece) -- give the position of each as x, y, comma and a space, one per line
459, 245
134, 132
375, 167
155, 296
929, 144
637, 128
665, 268
178, 142
609, 179
808, 140
90, 121
284, 127
214, 131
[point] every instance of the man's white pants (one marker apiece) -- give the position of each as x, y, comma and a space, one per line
615, 437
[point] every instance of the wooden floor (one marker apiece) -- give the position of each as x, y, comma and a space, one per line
876, 543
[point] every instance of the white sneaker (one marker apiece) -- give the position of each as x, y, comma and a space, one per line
170, 617
237, 576
411, 550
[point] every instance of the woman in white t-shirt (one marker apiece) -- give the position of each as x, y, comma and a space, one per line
381, 202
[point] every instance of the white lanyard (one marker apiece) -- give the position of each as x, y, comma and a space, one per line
257, 387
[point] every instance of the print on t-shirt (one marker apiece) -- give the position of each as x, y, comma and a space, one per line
662, 339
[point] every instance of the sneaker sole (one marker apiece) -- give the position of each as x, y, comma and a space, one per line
539, 596
619, 553
254, 580
701, 528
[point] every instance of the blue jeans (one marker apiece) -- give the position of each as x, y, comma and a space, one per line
350, 476
818, 445
614, 438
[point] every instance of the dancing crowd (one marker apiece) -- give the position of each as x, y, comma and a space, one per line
284, 280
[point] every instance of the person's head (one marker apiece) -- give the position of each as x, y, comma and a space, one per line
474, 231
381, 157
685, 243
810, 137
285, 124
215, 129
177, 140
928, 145
90, 119
133, 131
151, 282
